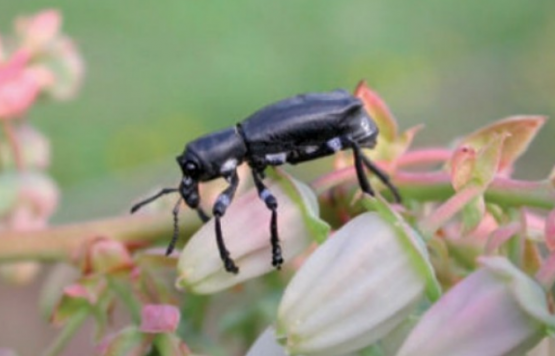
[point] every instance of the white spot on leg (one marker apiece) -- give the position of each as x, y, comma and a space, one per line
264, 194
224, 200
335, 144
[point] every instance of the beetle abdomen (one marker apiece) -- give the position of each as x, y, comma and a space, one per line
302, 120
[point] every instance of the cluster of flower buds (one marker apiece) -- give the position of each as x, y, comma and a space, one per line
37, 60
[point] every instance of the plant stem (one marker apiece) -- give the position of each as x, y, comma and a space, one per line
63, 242
14, 145
67, 333
436, 186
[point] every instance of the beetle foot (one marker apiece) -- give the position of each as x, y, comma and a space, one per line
277, 259
230, 266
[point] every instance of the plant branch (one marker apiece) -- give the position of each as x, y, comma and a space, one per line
436, 186
63, 242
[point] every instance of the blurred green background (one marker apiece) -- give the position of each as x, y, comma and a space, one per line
161, 73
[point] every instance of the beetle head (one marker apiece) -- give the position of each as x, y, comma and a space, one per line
188, 188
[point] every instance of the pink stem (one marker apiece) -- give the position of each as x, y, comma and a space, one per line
448, 209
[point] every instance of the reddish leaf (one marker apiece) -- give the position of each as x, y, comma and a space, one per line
462, 165
520, 130
378, 110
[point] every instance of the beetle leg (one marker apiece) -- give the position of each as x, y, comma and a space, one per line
362, 179
173, 241
271, 203
223, 201
202, 214
382, 176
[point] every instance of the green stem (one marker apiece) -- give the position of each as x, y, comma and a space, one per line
122, 288
61, 243
436, 186
67, 333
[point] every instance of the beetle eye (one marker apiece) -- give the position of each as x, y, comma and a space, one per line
190, 169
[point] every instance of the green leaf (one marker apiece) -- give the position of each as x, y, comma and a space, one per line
307, 201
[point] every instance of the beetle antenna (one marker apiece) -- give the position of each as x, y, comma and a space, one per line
164, 191
175, 213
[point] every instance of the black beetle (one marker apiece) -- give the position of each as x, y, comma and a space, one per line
293, 130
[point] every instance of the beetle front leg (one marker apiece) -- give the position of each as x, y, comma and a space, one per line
220, 207
271, 203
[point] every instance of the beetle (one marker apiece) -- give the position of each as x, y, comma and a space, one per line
294, 130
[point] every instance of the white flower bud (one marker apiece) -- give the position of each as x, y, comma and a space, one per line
246, 232
495, 311
354, 289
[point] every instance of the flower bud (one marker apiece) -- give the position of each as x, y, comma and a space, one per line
266, 345
107, 256
355, 288
246, 232
495, 311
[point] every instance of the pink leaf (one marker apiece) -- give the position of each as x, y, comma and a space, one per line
520, 131
18, 88
159, 318
378, 110
38, 30
462, 164
502, 235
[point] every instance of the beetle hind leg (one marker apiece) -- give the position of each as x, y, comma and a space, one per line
271, 203
222, 202
360, 161
382, 176
359, 168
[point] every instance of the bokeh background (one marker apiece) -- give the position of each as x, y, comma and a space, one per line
161, 73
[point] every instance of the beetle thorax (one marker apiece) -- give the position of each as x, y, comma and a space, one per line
217, 154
